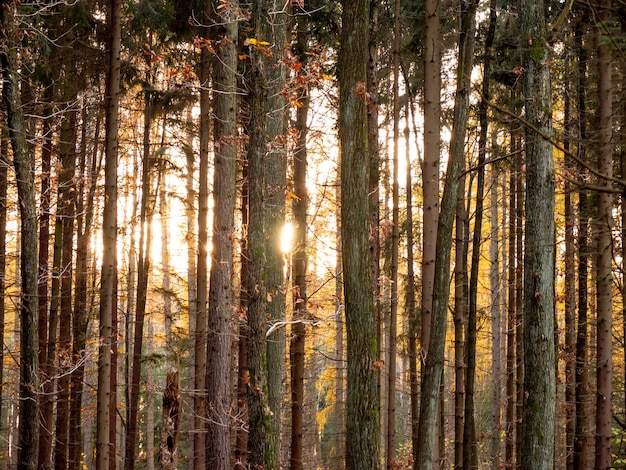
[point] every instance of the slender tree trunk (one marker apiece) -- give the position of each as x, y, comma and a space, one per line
340, 405
362, 350
149, 397
221, 293
84, 222
273, 26
441, 288
496, 323
145, 242
192, 301
45, 423
23, 160
604, 248
569, 293
509, 449
108, 290
299, 260
412, 314
470, 444
460, 319
430, 170
66, 211
241, 442
199, 335
395, 235
4, 166
539, 380
170, 424
261, 444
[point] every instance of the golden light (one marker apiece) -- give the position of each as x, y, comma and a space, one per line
286, 238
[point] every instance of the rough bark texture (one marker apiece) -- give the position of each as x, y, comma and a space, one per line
362, 349
299, 265
539, 381
604, 246
441, 287
23, 160
261, 437
108, 287
221, 293
170, 424
430, 170
200, 340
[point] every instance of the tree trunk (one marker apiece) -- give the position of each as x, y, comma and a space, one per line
539, 380
23, 159
108, 289
430, 170
470, 444
299, 266
145, 242
4, 165
66, 211
192, 300
362, 350
395, 235
84, 223
273, 26
221, 293
45, 402
413, 319
604, 248
441, 287
261, 444
170, 424
199, 335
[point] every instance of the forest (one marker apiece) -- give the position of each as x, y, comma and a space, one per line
312, 234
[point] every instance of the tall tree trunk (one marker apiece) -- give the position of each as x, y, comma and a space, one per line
539, 380
145, 242
108, 289
45, 423
496, 323
460, 318
23, 160
274, 28
604, 248
171, 415
261, 444
299, 265
4, 165
441, 287
470, 444
241, 441
395, 235
199, 335
221, 293
362, 350
411, 308
66, 211
509, 447
84, 223
569, 289
339, 424
190, 214
430, 170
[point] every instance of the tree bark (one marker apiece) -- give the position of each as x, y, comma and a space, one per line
23, 160
221, 293
539, 380
299, 266
362, 349
170, 424
108, 289
604, 246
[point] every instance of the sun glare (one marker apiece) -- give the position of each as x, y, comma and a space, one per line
286, 238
